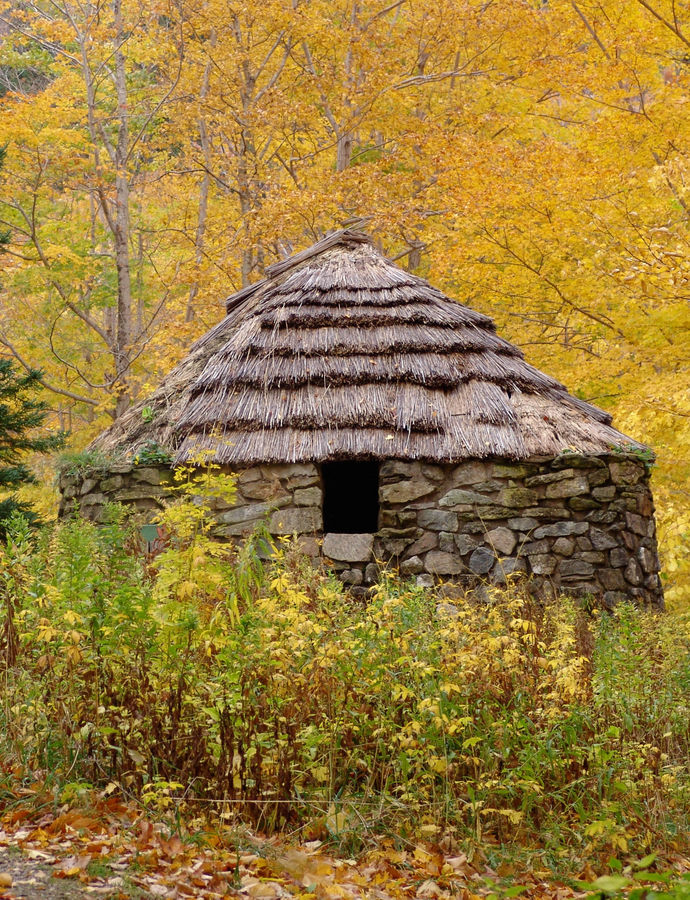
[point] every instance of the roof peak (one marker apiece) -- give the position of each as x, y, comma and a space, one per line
345, 237
349, 238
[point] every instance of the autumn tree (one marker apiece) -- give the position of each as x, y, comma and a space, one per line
4, 235
82, 156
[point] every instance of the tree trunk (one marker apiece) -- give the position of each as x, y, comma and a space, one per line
121, 231
205, 184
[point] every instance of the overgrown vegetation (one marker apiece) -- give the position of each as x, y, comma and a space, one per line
74, 463
201, 676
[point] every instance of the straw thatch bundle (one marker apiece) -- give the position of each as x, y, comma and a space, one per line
340, 354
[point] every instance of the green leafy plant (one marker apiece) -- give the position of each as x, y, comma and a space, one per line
152, 453
500, 723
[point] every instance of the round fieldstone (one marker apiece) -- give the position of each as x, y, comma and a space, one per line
603, 516
601, 540
633, 573
604, 493
636, 523
571, 487
502, 540
428, 541
310, 496
628, 472
465, 544
648, 560
148, 475
542, 563
371, 573
506, 567
351, 576
110, 484
347, 547
618, 557
611, 579
481, 561
517, 497
560, 529
458, 497
523, 523
411, 566
87, 485
564, 546
576, 567
446, 542
405, 491
439, 563
580, 503
298, 520
533, 547
594, 556
437, 520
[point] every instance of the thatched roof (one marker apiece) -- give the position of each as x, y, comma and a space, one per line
338, 353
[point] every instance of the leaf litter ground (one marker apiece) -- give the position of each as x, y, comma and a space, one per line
115, 850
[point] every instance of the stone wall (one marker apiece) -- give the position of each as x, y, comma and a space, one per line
287, 497
142, 488
583, 525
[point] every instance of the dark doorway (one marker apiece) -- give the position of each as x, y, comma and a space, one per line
350, 497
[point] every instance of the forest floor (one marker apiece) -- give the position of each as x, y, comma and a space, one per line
28, 875
117, 851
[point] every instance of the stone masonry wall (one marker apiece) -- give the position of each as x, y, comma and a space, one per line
583, 525
142, 488
287, 497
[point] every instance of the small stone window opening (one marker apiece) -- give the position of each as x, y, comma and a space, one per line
350, 497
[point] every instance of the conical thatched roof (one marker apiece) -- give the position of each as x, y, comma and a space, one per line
338, 353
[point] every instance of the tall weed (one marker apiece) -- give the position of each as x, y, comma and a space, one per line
275, 696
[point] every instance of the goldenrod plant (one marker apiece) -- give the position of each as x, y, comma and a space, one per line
275, 699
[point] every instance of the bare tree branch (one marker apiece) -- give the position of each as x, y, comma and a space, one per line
46, 384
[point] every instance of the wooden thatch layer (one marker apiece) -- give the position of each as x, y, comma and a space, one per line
338, 353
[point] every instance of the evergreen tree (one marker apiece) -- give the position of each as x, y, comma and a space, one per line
21, 412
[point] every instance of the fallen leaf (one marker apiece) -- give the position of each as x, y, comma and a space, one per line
67, 873
457, 863
429, 889
262, 890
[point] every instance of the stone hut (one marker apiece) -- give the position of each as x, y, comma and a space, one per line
378, 419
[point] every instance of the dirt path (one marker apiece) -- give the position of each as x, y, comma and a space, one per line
32, 879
